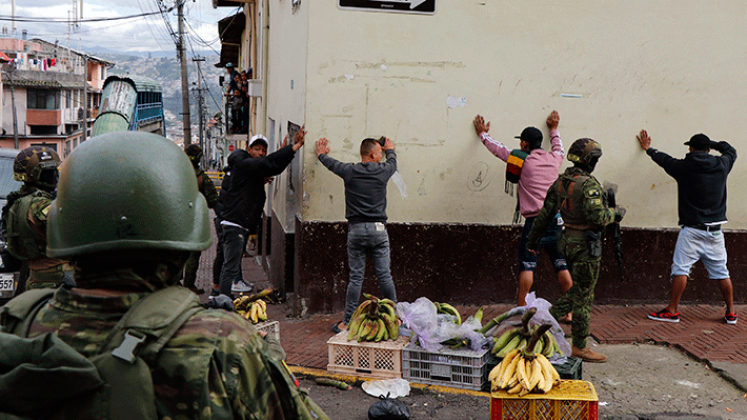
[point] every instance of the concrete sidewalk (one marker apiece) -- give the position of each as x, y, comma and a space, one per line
701, 332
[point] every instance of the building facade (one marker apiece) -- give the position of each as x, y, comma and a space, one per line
49, 94
418, 72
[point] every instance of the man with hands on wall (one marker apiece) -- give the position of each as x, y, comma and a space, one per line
701, 205
365, 210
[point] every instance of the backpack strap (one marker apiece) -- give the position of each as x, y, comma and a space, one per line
133, 346
17, 315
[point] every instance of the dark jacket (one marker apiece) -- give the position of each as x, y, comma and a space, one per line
701, 182
225, 184
246, 196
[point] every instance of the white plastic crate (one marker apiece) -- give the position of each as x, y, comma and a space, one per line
382, 360
271, 327
458, 368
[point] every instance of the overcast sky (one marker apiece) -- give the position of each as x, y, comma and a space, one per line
131, 36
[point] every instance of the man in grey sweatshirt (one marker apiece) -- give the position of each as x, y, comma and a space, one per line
365, 210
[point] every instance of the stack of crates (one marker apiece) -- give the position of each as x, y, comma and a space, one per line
568, 400
382, 360
458, 368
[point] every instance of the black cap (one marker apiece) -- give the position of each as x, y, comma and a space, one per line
531, 135
699, 142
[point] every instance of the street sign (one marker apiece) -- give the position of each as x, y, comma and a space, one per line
231, 147
400, 6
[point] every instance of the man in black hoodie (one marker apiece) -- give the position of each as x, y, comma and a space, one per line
701, 203
244, 201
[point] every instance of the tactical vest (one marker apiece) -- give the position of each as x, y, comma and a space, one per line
115, 384
570, 190
23, 241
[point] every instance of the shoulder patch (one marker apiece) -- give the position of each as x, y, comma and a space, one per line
593, 193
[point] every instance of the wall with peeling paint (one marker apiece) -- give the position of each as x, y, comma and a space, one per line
610, 68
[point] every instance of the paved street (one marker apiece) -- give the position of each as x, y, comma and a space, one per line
700, 337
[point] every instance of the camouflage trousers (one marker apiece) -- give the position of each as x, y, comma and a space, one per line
51, 277
190, 269
578, 299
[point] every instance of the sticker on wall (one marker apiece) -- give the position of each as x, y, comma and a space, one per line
427, 7
453, 102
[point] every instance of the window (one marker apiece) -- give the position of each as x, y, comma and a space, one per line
68, 99
43, 99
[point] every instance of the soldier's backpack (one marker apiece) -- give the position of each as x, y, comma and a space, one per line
44, 378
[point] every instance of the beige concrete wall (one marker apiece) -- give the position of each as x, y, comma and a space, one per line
286, 54
610, 68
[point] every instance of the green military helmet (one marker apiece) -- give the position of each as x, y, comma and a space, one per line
127, 191
194, 153
585, 153
32, 162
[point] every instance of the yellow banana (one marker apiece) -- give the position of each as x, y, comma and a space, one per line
392, 328
509, 373
536, 376
515, 389
255, 313
521, 373
365, 329
550, 369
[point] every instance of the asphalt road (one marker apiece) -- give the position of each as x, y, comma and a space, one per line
639, 381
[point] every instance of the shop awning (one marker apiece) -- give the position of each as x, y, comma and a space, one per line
230, 30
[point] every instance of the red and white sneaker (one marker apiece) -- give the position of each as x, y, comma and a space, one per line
665, 315
730, 318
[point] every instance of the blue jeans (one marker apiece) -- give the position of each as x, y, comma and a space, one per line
364, 237
233, 250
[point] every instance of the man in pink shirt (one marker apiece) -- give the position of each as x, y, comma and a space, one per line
539, 171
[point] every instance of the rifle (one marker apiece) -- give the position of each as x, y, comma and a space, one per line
611, 200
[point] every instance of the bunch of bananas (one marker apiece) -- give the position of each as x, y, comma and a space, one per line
519, 338
445, 308
374, 320
523, 371
256, 312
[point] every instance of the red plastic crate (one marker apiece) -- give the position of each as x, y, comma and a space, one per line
569, 400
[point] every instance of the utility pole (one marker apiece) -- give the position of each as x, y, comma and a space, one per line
185, 81
11, 67
198, 60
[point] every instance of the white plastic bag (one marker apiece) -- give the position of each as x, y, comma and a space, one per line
543, 317
389, 388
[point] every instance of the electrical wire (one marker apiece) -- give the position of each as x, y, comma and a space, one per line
65, 20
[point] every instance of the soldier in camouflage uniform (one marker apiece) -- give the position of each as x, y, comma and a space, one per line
132, 241
583, 205
207, 188
25, 216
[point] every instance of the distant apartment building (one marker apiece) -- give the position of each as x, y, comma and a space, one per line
49, 94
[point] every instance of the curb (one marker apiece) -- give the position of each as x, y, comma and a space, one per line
318, 373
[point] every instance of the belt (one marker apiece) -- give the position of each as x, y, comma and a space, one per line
707, 228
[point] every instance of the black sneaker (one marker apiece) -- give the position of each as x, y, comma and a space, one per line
730, 318
214, 293
664, 315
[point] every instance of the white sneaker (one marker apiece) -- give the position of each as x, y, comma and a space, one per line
242, 286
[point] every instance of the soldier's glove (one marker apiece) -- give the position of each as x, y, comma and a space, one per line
619, 213
220, 302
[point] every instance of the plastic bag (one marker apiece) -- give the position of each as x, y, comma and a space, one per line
430, 329
420, 317
388, 409
392, 388
543, 317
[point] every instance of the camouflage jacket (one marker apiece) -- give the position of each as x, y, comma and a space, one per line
587, 206
215, 367
25, 220
207, 188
